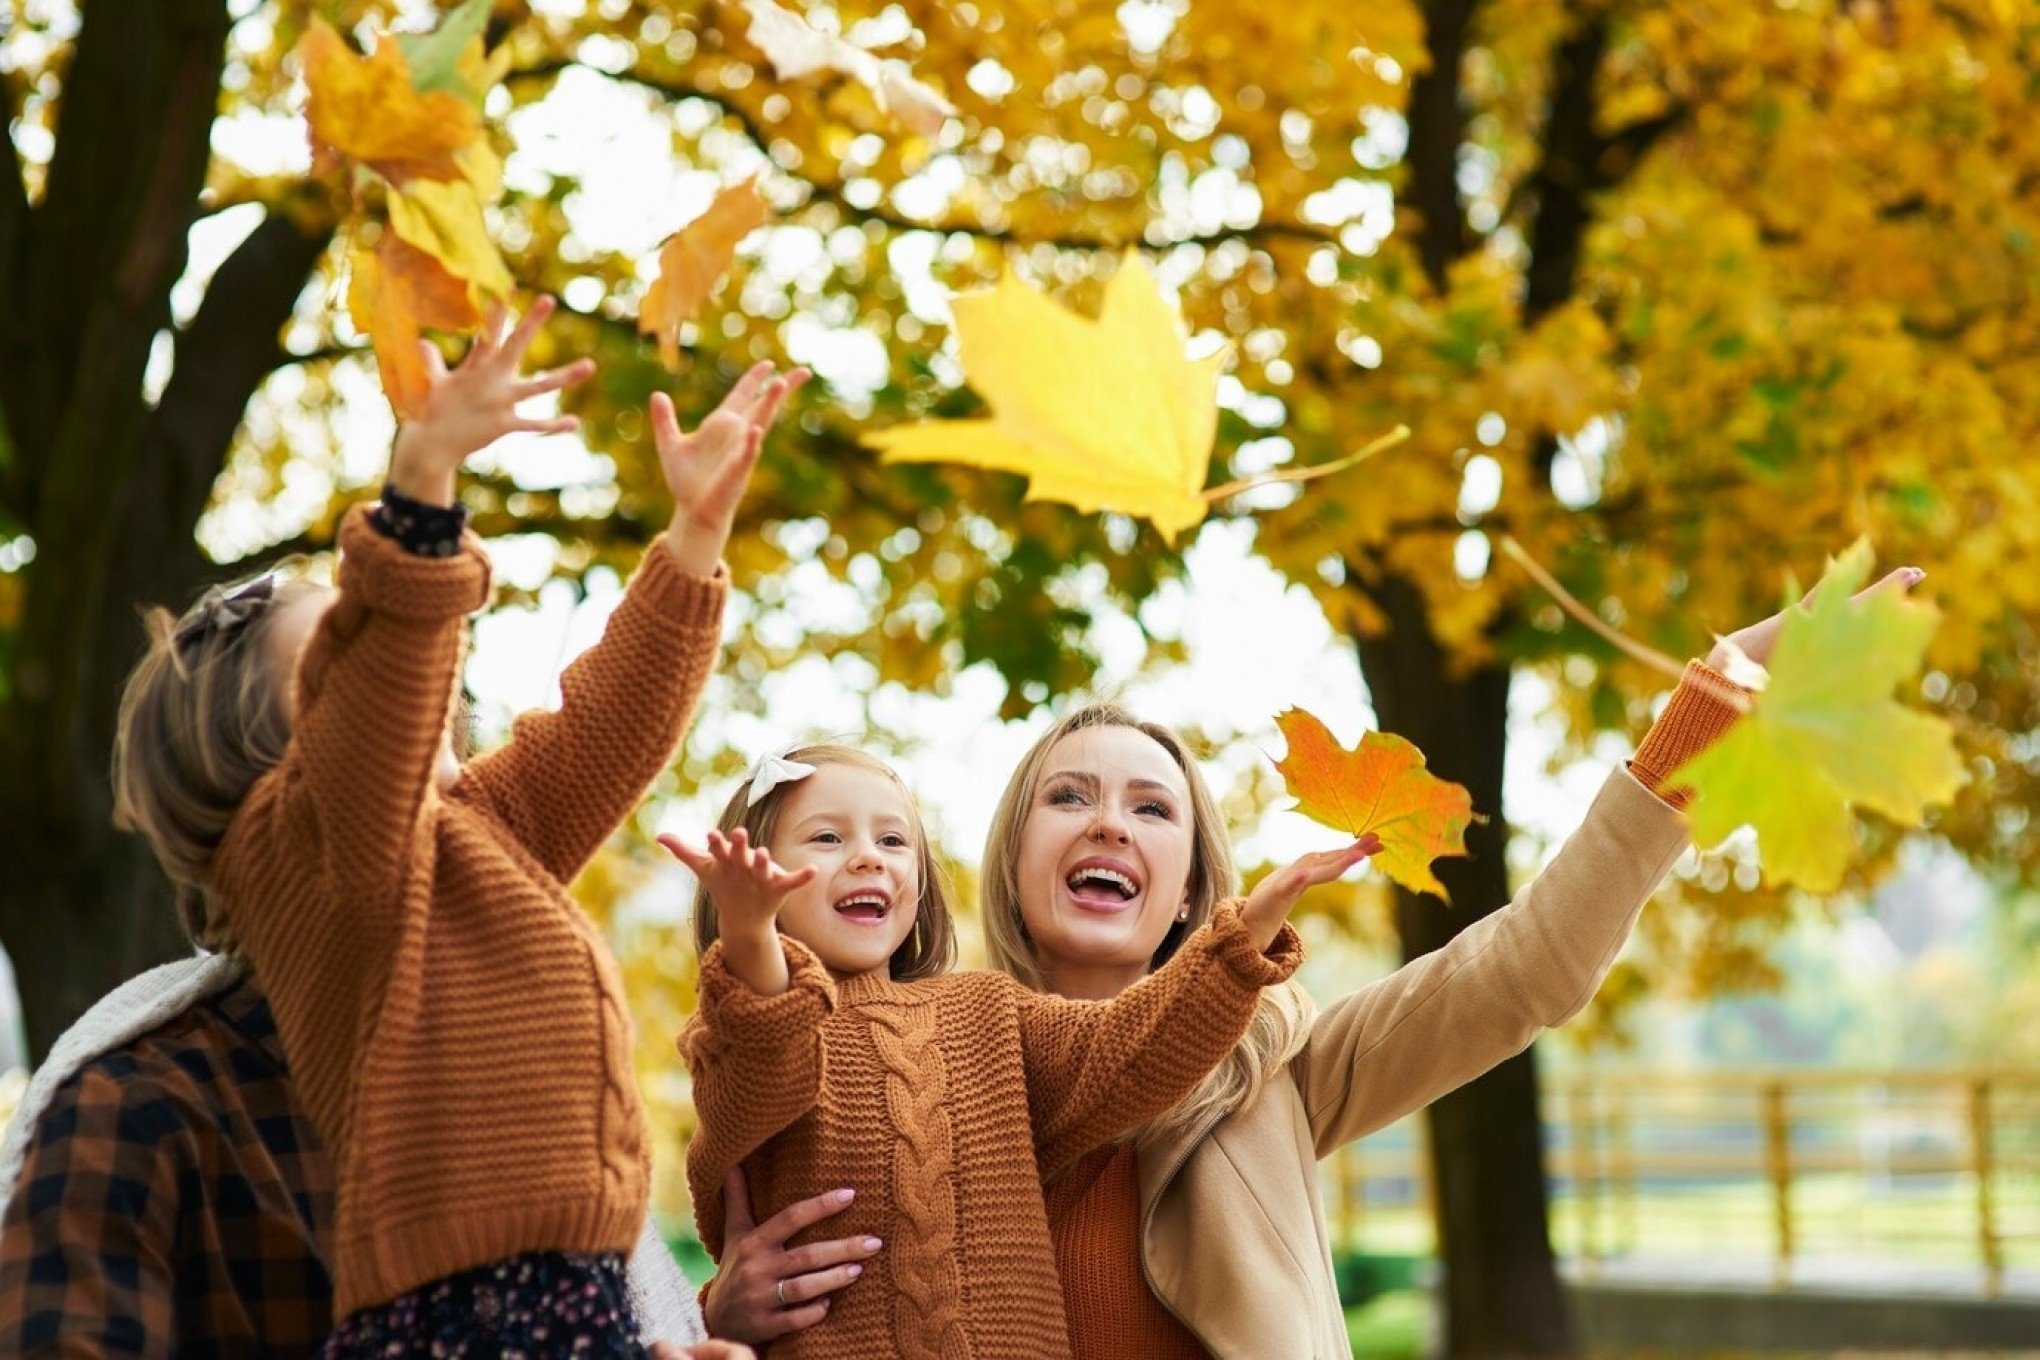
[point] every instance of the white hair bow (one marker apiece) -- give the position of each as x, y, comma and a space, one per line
770, 772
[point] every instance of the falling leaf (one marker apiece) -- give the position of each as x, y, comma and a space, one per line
1379, 787
445, 221
692, 262
1826, 734
1108, 414
394, 294
798, 50
445, 58
365, 110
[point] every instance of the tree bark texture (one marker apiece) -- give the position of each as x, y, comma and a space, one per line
108, 486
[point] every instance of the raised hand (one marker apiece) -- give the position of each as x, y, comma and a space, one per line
748, 889
1759, 640
706, 471
1275, 896
764, 1289
472, 405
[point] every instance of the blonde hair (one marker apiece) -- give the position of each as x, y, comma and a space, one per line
930, 950
1282, 1018
202, 717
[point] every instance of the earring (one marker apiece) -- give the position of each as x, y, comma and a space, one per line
1183, 915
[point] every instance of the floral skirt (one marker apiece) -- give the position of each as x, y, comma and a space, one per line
525, 1308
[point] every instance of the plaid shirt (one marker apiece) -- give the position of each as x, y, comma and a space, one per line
169, 1201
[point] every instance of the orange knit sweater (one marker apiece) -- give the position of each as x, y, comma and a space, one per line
1094, 1211
455, 1025
943, 1104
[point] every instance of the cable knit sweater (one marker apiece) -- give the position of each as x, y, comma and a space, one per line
455, 1025
943, 1103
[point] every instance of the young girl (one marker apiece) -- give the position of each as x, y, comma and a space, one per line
836, 1053
455, 1025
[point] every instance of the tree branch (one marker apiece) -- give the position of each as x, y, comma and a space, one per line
835, 193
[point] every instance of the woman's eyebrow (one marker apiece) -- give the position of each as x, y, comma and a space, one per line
1083, 777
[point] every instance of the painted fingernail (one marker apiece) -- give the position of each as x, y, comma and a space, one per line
872, 1244
855, 1271
843, 1196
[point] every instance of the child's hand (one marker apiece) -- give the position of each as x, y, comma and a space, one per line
748, 890
706, 471
1275, 896
475, 404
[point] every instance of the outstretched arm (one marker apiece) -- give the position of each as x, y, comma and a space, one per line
376, 679
1097, 1070
1443, 1019
566, 779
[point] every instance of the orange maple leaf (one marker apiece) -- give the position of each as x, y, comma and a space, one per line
365, 109
396, 292
1382, 787
692, 262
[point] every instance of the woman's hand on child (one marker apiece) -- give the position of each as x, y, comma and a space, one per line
763, 1289
1275, 896
706, 470
472, 405
1759, 640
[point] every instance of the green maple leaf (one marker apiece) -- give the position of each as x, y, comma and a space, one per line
1825, 735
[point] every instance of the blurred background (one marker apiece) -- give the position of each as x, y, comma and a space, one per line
1683, 296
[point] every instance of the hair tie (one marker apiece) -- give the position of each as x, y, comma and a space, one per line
223, 613
770, 772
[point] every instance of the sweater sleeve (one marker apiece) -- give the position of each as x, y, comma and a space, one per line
567, 779
1703, 708
375, 686
756, 1063
1443, 1019
1099, 1069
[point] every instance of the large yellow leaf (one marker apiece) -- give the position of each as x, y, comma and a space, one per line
445, 221
1108, 414
394, 294
1825, 734
692, 262
1379, 787
365, 109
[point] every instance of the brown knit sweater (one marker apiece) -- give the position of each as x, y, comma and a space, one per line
1094, 1211
943, 1104
455, 1025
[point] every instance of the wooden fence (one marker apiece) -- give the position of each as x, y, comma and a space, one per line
1937, 1167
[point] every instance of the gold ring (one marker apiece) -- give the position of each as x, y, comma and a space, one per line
779, 1292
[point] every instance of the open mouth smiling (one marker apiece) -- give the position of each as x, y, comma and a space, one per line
867, 908
1102, 884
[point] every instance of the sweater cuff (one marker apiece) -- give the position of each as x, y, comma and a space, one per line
376, 569
742, 1018
689, 601
1235, 949
1704, 706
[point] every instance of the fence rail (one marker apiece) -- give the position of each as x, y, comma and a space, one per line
1937, 1167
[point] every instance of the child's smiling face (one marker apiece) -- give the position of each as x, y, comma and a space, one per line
856, 827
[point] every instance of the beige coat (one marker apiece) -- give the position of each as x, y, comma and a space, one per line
1233, 1237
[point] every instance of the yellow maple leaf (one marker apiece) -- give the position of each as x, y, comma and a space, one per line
1105, 414
1825, 734
445, 221
394, 294
692, 262
1379, 787
366, 110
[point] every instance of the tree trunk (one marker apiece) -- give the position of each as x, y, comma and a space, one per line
110, 488
1486, 1139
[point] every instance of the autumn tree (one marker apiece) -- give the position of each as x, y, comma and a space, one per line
1678, 296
